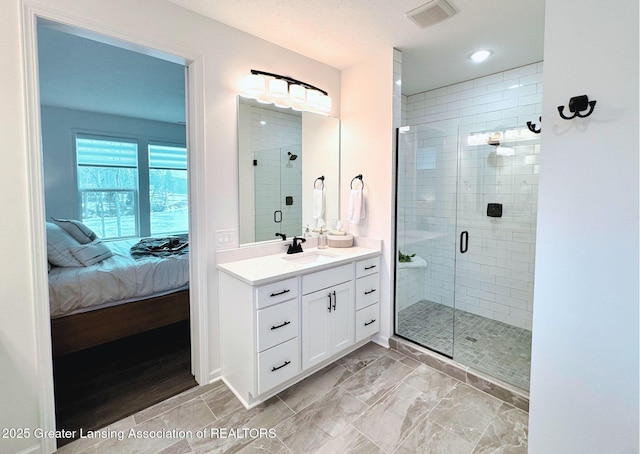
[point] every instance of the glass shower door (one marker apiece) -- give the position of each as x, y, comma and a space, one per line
465, 244
426, 236
266, 174
496, 224
278, 192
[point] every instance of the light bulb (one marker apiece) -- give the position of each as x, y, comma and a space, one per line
254, 85
480, 56
278, 88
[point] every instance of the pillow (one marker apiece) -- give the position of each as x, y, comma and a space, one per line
58, 244
76, 229
91, 253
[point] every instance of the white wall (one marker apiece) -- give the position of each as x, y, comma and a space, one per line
227, 55
584, 369
367, 148
19, 388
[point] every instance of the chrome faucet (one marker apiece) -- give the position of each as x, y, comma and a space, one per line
296, 247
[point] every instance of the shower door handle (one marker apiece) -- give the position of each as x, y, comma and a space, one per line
277, 219
464, 241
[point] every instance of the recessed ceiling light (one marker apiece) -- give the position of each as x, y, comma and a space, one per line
480, 55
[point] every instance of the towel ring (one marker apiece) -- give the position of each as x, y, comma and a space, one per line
321, 181
357, 177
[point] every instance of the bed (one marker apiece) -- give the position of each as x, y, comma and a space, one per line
116, 297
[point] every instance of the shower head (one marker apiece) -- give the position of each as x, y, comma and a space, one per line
292, 157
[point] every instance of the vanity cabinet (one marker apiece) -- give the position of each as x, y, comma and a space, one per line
278, 325
328, 310
260, 332
367, 298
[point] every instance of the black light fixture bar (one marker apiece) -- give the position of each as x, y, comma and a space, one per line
289, 80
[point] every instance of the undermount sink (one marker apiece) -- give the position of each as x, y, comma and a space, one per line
309, 258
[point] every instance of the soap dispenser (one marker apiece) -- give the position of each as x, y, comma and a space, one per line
322, 239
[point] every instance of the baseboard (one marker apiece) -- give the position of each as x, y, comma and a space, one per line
383, 341
41, 447
215, 375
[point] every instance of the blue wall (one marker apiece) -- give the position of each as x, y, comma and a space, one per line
59, 127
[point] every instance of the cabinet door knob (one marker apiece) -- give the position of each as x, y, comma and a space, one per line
334, 300
329, 295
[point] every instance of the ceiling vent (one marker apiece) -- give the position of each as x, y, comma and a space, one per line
431, 13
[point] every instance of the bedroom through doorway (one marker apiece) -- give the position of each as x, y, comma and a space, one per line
114, 153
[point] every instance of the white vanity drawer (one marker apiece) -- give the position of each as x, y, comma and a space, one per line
367, 290
326, 278
277, 324
366, 267
277, 365
367, 321
277, 292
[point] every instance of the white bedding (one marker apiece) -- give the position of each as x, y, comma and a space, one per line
117, 279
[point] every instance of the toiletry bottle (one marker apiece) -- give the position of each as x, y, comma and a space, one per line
322, 239
307, 232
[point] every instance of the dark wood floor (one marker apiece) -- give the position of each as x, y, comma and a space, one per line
101, 385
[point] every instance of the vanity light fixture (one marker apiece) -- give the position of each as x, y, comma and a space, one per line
283, 91
480, 55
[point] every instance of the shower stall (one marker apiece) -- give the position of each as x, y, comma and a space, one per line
465, 244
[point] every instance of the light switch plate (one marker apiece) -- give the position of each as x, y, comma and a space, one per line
225, 239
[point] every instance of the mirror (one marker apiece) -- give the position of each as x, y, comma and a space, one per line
282, 153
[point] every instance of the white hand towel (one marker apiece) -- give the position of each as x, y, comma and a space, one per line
318, 206
356, 206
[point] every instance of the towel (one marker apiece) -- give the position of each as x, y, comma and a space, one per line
318, 206
356, 206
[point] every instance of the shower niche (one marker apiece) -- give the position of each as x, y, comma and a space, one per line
465, 244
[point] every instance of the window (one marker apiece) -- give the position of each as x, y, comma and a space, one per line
168, 190
107, 181
124, 193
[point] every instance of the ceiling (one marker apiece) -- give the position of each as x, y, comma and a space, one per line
80, 72
84, 74
341, 33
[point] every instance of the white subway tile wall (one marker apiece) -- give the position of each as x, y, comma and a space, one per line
495, 277
273, 135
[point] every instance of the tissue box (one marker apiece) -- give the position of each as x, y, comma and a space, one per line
340, 240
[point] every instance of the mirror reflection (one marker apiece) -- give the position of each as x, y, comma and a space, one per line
282, 153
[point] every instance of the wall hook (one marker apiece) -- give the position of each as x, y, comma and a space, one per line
576, 105
532, 126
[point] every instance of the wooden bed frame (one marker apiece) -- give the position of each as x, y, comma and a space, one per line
88, 329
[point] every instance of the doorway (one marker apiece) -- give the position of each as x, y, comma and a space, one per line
188, 333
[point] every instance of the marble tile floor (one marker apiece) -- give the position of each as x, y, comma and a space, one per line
372, 401
490, 346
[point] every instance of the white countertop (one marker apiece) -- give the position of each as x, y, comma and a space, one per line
269, 268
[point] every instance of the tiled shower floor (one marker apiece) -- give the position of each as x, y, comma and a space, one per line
498, 349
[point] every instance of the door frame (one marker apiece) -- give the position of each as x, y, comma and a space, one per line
194, 65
